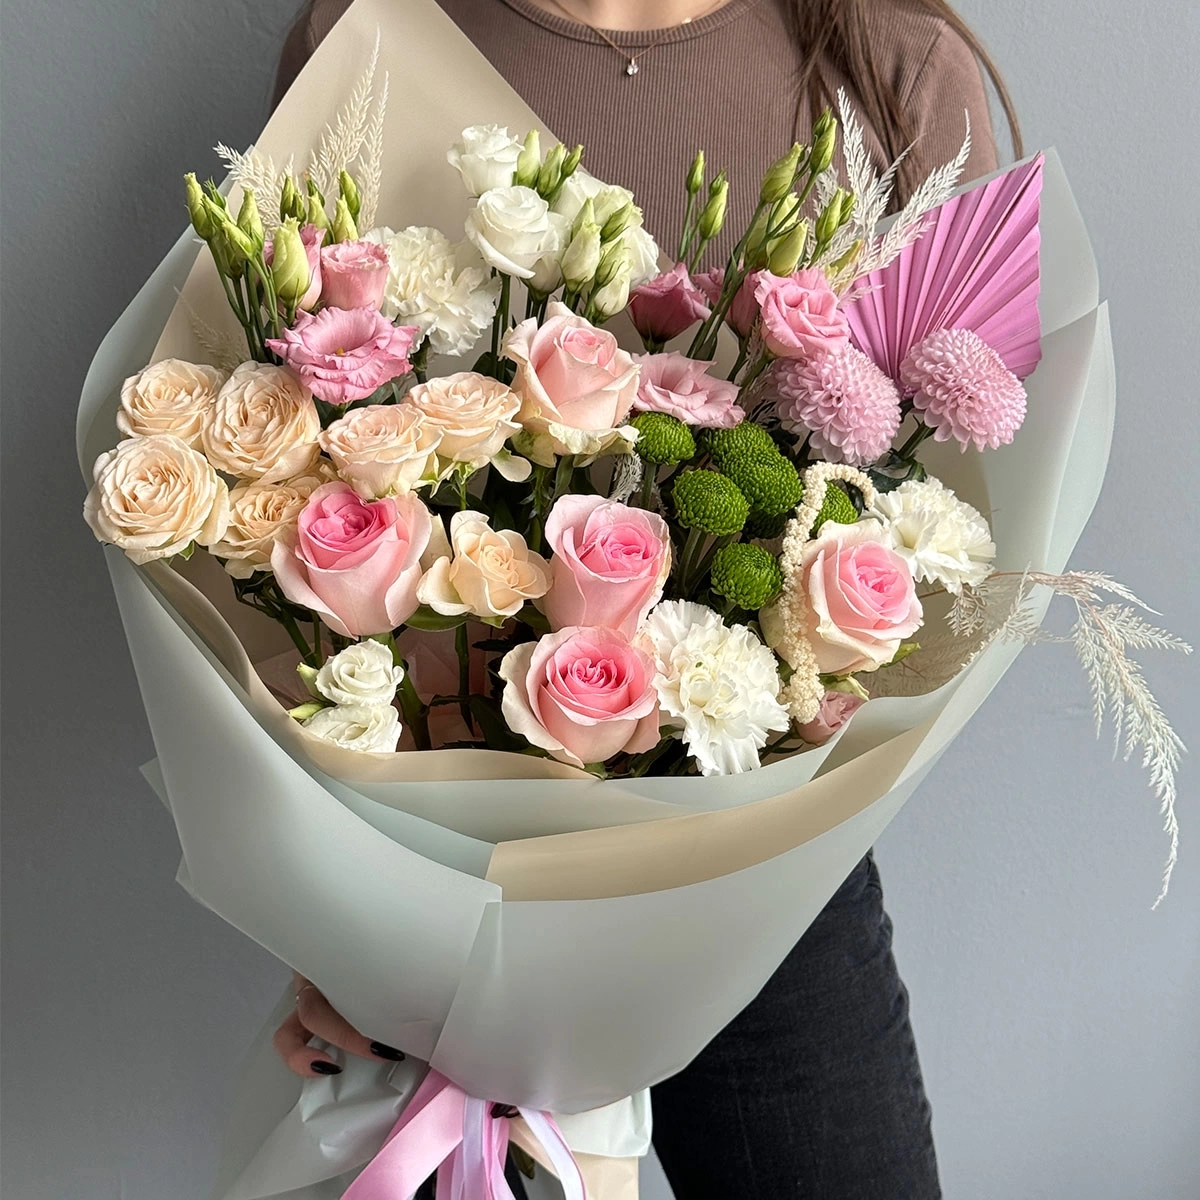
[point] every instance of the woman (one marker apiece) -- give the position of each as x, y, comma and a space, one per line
814, 1090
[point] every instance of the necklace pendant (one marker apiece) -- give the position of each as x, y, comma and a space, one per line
632, 68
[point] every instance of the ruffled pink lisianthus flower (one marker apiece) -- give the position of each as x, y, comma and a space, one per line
345, 354
682, 387
353, 275
667, 305
963, 390
743, 312
849, 406
800, 314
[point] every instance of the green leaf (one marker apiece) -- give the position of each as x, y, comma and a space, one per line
496, 733
303, 711
432, 622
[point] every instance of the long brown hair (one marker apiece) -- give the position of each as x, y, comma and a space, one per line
834, 34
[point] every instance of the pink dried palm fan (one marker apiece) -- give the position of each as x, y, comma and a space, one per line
974, 267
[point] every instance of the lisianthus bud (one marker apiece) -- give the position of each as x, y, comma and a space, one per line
201, 221
582, 257
316, 207
343, 227
618, 222
614, 261
712, 215
695, 175
824, 143
235, 241
830, 219
290, 272
529, 161
550, 176
847, 260
249, 220
610, 299
586, 216
350, 193
571, 162
291, 203
778, 180
785, 254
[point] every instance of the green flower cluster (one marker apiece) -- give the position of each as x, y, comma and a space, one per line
836, 507
663, 440
746, 574
770, 483
709, 502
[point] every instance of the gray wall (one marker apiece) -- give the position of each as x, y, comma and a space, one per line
1057, 1017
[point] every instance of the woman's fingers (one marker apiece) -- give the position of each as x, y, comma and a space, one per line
291, 1044
318, 1016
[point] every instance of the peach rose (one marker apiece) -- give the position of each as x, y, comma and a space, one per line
383, 449
154, 496
490, 573
862, 602
263, 425
170, 396
259, 514
575, 383
474, 414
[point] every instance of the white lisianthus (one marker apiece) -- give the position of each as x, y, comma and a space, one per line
370, 728
490, 573
485, 157
942, 538
607, 199
444, 289
515, 231
643, 255
363, 675
718, 684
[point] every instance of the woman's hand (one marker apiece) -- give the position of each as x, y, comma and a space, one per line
312, 1017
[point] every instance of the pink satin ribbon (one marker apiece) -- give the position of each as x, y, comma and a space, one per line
443, 1129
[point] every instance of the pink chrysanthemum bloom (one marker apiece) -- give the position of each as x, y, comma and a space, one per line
848, 405
963, 390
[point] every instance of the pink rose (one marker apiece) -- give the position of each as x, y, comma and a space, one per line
353, 275
682, 387
583, 694
666, 306
836, 709
576, 384
800, 314
743, 312
354, 562
862, 602
345, 354
609, 566
312, 237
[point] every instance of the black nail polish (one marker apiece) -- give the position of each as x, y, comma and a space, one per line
326, 1068
504, 1110
390, 1053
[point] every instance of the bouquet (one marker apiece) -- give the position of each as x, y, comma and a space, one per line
545, 540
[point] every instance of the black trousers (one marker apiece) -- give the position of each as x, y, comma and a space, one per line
814, 1091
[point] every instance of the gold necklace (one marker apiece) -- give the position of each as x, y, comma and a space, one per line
632, 65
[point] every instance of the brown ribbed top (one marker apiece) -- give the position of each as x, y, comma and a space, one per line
724, 83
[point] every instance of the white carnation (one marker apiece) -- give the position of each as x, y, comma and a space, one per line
942, 538
357, 727
445, 290
718, 683
485, 157
363, 675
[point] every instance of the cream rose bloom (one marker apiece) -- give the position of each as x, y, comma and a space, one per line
154, 496
490, 573
371, 728
171, 396
476, 416
263, 425
384, 449
515, 231
261, 512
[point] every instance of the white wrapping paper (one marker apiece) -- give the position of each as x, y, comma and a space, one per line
555, 941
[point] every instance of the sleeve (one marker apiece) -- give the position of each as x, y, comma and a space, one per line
949, 82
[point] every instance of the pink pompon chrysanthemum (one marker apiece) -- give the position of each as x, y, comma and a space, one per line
962, 389
848, 405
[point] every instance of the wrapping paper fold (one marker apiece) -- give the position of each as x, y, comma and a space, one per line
539, 937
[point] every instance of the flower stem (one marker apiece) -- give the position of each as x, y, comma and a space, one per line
646, 492
462, 647
909, 448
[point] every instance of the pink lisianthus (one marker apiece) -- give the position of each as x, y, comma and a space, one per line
345, 354
836, 709
353, 275
743, 312
666, 306
800, 314
312, 236
354, 562
609, 565
862, 602
681, 386
582, 694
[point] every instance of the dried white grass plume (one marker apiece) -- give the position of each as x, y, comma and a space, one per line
258, 172
370, 173
627, 477
1103, 633
224, 348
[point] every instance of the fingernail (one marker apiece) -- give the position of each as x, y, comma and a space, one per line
326, 1068
390, 1053
504, 1110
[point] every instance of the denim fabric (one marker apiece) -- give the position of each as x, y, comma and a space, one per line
814, 1091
